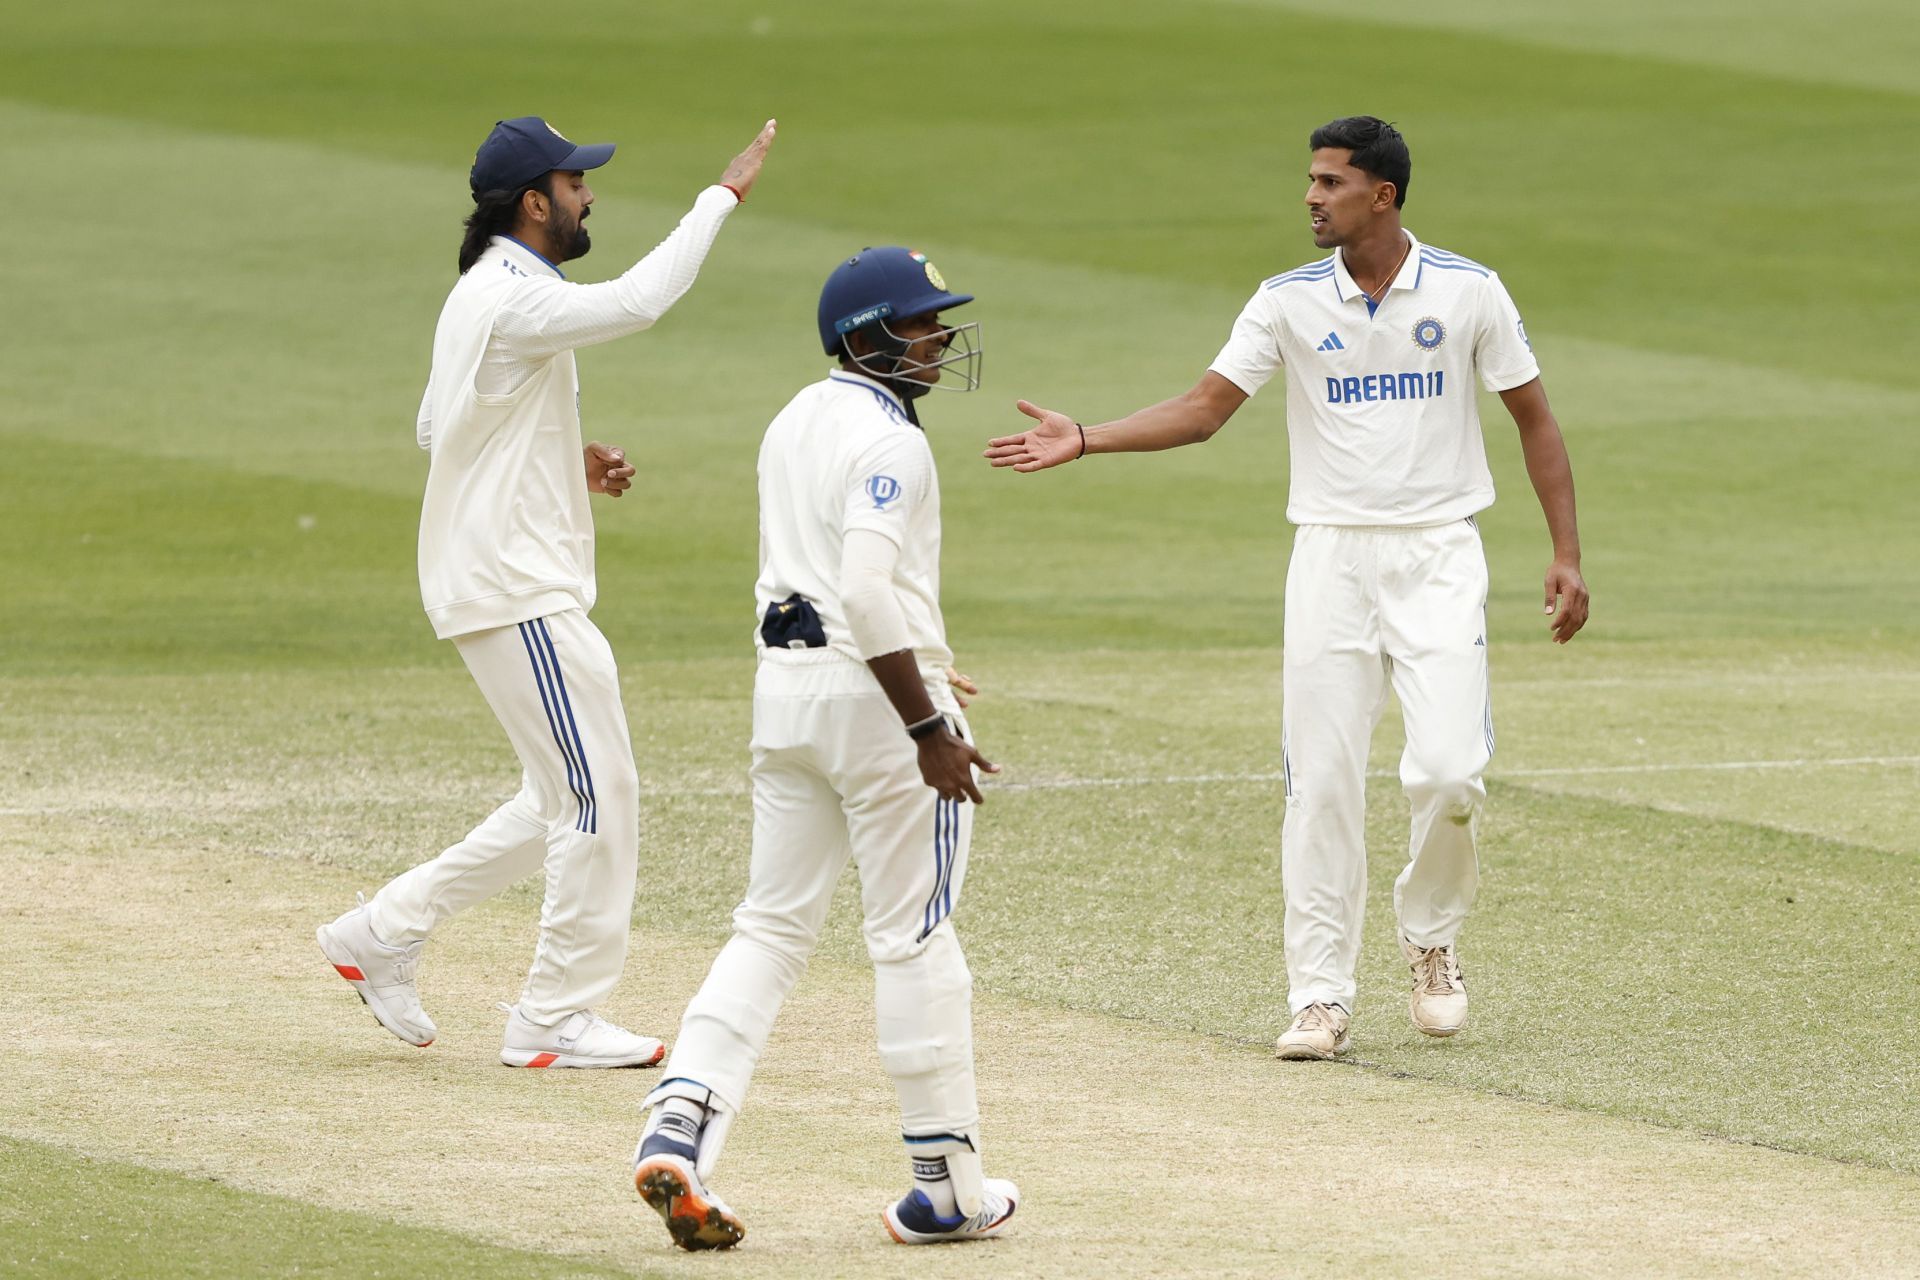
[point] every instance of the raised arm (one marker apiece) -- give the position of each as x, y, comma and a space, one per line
1552, 475
548, 315
1189, 418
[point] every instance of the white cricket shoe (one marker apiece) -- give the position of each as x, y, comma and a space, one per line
581, 1039
912, 1220
1439, 1004
1319, 1031
382, 975
695, 1217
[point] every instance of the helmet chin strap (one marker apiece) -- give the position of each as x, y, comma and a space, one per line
908, 389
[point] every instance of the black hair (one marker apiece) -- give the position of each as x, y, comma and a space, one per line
1378, 150
494, 213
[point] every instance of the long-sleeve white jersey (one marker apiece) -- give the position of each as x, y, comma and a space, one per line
505, 531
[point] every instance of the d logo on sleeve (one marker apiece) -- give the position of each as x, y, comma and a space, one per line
882, 489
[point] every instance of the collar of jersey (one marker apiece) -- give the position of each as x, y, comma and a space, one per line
527, 254
1408, 277
861, 380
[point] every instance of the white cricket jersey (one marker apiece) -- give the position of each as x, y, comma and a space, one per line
505, 531
843, 455
1383, 424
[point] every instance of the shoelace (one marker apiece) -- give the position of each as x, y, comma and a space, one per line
1436, 971
1316, 1017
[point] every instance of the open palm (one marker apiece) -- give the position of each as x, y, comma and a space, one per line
1054, 439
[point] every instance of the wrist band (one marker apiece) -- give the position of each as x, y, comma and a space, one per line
928, 727
738, 198
1083, 443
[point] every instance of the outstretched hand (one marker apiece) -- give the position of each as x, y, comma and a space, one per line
746, 166
608, 470
1057, 439
1566, 601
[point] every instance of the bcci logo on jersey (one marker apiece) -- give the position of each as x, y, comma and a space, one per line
1429, 333
882, 489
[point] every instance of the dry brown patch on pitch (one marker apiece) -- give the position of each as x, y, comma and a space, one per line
179, 1015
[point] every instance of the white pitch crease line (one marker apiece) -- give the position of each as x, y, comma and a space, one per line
1842, 763
1203, 779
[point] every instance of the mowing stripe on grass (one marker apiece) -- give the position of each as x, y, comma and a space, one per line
65, 1214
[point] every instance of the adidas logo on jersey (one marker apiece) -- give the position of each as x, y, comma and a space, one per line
1332, 343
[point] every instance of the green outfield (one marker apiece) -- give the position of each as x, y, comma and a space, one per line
222, 712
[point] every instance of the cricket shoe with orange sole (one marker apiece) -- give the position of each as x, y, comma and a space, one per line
912, 1220
695, 1217
381, 974
581, 1039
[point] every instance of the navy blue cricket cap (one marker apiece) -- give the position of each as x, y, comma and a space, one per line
519, 151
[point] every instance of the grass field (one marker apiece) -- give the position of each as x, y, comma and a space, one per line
222, 713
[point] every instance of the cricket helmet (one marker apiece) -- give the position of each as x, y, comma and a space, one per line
875, 286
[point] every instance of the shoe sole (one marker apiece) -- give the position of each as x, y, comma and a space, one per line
539, 1058
1307, 1053
344, 966
1440, 1033
694, 1223
903, 1234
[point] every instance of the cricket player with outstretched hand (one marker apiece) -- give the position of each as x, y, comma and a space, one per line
507, 574
859, 750
1381, 343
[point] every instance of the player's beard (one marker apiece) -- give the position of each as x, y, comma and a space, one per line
575, 239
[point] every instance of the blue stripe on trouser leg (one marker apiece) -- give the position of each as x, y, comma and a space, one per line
946, 844
939, 868
592, 817
953, 856
553, 721
557, 722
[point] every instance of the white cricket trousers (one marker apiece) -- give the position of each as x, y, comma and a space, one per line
835, 776
1368, 608
554, 687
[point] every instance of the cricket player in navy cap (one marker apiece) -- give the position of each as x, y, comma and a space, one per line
507, 574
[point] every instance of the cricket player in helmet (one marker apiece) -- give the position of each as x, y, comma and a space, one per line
861, 751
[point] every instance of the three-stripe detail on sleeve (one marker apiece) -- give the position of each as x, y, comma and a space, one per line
559, 709
946, 848
1321, 270
1440, 258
